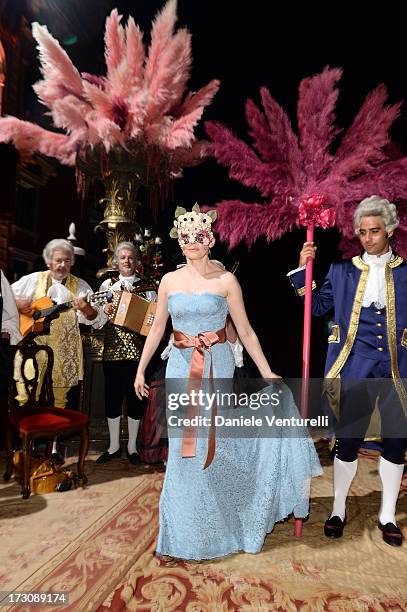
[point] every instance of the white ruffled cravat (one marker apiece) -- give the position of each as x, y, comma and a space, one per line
59, 293
127, 282
124, 282
375, 292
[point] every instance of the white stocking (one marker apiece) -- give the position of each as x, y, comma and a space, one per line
114, 433
132, 425
344, 473
391, 475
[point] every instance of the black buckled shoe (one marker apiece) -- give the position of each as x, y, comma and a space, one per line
134, 458
106, 456
391, 534
333, 527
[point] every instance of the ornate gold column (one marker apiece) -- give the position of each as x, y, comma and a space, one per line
122, 174
120, 210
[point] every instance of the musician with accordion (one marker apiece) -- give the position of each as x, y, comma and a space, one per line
128, 316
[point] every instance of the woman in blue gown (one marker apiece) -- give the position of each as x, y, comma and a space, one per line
221, 495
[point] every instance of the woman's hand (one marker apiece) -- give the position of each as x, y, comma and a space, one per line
140, 387
273, 378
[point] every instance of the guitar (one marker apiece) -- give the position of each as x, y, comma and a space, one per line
44, 310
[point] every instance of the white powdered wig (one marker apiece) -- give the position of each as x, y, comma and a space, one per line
375, 206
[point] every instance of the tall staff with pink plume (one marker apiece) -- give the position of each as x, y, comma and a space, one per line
312, 213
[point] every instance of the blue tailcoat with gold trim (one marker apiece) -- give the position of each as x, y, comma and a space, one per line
343, 290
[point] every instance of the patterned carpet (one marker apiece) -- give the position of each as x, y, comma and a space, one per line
98, 544
81, 541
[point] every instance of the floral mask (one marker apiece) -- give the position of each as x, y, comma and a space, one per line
194, 226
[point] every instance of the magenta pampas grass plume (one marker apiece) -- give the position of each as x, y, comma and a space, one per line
259, 132
363, 143
137, 112
400, 235
237, 219
56, 67
286, 168
316, 116
243, 163
284, 148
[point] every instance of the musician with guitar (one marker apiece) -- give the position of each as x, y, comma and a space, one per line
59, 328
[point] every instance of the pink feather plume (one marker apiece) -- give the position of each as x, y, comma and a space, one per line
135, 54
363, 143
56, 66
199, 99
285, 168
114, 41
316, 116
161, 35
141, 101
30, 138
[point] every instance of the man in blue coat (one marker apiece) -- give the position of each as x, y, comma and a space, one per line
367, 353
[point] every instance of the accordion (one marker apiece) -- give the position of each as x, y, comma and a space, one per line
133, 312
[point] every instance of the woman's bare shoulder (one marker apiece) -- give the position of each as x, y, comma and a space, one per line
170, 277
228, 278
229, 282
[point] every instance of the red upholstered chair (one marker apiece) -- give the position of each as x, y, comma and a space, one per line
40, 419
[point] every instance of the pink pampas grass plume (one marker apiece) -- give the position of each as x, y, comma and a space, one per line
286, 168
140, 104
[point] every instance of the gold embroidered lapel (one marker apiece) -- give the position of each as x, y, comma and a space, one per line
391, 330
354, 319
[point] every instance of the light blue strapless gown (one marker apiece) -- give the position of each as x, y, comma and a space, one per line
252, 482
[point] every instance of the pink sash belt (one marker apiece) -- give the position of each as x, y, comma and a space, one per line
200, 343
